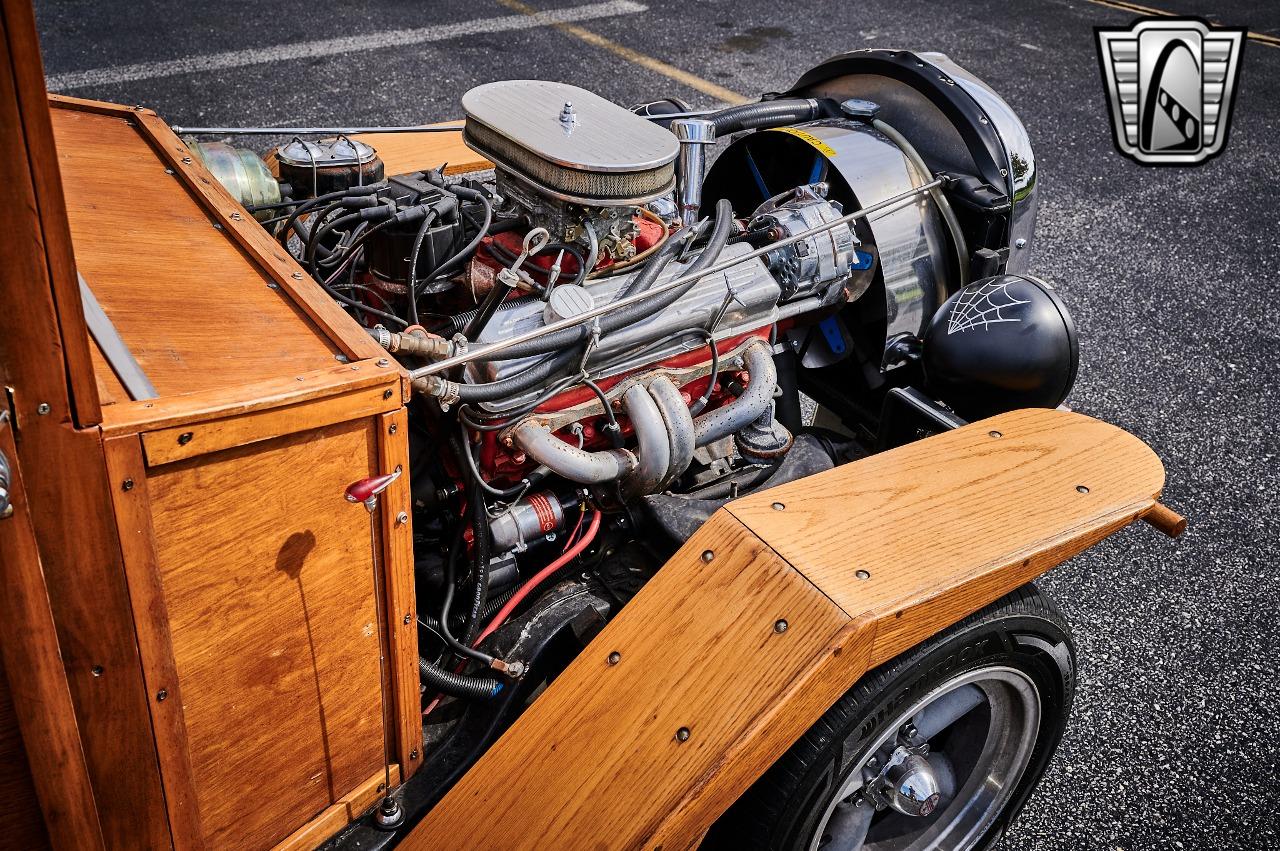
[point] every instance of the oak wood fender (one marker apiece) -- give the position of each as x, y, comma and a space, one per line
774, 609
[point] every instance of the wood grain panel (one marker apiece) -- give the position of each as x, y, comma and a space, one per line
36, 680
967, 506
187, 441
402, 153
194, 310
268, 578
42, 238
398, 580
941, 526
598, 755
224, 402
21, 821
132, 506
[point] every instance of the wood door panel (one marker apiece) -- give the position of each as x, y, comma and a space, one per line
268, 579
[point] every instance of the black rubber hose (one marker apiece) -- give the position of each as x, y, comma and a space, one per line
413, 264
634, 313
450, 563
457, 685
480, 531
773, 113
521, 381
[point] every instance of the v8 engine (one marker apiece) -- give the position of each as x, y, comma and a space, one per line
638, 314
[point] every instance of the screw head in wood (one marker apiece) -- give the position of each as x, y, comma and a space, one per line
43, 408
162, 695
994, 433
780, 626
393, 428
615, 657
408, 618
778, 506
862, 574
708, 556
383, 362
126, 485
297, 276
386, 394
1081, 489
682, 735
96, 670
413, 754
402, 518
185, 438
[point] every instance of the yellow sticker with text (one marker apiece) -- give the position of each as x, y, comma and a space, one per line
826, 149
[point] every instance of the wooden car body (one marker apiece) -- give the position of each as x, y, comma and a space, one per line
193, 618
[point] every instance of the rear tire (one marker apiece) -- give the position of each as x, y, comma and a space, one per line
1014, 661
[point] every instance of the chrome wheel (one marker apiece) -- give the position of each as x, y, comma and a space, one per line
943, 771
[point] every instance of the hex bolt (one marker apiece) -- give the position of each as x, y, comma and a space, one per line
708, 556
615, 657
780, 626
862, 574
162, 695
43, 408
778, 506
126, 485
402, 518
1081, 489
682, 735
185, 438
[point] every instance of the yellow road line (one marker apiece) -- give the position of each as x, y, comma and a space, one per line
635, 57
1124, 6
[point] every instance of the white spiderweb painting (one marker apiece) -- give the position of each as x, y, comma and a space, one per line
982, 306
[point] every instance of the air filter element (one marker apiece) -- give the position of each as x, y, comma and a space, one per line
569, 143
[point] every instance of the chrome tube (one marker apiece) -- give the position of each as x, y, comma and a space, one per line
309, 131
574, 464
654, 449
487, 351
693, 134
679, 426
747, 408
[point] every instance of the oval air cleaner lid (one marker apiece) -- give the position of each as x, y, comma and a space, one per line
569, 143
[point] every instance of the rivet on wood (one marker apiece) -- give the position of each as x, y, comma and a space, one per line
682, 735
780, 626
778, 506
126, 485
708, 555
162, 695
1081, 489
615, 657
185, 438
862, 574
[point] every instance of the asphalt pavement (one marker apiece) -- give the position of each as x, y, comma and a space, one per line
1171, 274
